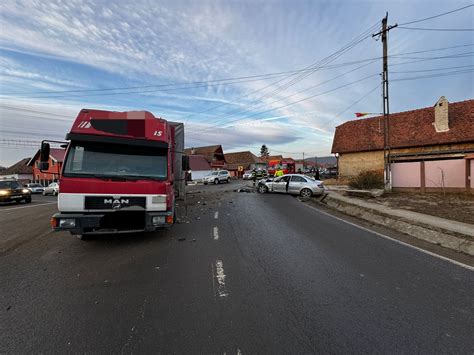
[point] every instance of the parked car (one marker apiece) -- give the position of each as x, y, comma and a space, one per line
52, 189
35, 188
298, 185
217, 177
247, 175
11, 190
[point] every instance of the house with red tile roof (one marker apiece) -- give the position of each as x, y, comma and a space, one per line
429, 137
19, 171
239, 162
199, 167
212, 153
56, 159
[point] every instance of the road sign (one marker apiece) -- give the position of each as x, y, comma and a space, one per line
241, 168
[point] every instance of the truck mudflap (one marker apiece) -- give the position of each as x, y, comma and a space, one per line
112, 222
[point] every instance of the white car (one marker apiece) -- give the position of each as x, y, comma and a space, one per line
217, 177
247, 175
52, 189
35, 188
294, 184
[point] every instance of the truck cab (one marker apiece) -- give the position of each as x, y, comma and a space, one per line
122, 173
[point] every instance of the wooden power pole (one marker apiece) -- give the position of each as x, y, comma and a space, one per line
386, 108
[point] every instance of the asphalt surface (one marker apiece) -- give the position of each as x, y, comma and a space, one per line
266, 274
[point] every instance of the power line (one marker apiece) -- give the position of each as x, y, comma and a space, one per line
301, 91
292, 103
438, 29
435, 16
428, 70
261, 76
353, 104
435, 75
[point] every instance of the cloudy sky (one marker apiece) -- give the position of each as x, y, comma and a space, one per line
238, 73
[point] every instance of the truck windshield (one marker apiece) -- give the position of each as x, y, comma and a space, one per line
90, 159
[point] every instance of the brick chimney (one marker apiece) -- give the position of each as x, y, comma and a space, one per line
441, 122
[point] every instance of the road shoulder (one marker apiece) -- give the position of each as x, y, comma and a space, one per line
377, 229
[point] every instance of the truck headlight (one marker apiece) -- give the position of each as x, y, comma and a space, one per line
158, 199
67, 223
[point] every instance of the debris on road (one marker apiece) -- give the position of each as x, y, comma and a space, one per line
181, 239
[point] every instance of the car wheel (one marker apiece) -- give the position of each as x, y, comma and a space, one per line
55, 193
216, 181
44, 193
306, 193
228, 180
262, 189
28, 200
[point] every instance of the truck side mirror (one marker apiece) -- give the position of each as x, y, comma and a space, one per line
44, 156
185, 163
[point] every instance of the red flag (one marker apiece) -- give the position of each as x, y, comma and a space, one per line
361, 114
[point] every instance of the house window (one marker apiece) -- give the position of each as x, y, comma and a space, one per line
53, 163
37, 164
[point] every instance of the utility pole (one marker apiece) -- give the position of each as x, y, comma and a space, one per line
304, 168
386, 108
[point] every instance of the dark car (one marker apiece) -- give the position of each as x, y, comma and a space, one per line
11, 190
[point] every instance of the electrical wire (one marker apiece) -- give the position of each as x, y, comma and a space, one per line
435, 16
437, 29
316, 66
290, 104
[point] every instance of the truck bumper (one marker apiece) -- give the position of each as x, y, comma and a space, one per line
111, 222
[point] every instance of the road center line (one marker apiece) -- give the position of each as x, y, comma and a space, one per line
30, 206
216, 233
216, 215
220, 277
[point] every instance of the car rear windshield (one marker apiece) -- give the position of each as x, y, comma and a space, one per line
116, 160
9, 185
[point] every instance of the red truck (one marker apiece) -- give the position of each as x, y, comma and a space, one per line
122, 173
288, 166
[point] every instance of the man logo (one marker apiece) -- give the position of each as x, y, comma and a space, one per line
116, 203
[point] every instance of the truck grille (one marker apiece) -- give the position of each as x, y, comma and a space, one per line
109, 202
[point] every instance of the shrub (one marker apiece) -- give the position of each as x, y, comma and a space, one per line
366, 180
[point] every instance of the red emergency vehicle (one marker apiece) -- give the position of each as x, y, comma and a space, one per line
122, 173
288, 166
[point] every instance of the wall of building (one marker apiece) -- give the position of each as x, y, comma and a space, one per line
472, 174
432, 176
199, 174
445, 173
406, 174
351, 164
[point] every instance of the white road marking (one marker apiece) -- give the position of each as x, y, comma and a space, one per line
220, 277
215, 232
40, 204
216, 215
394, 240
239, 352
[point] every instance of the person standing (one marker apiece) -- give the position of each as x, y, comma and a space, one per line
254, 176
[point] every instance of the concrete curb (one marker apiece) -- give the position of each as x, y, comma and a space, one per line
430, 233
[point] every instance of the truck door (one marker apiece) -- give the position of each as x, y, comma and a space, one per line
296, 184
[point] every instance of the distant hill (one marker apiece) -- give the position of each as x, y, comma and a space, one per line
330, 160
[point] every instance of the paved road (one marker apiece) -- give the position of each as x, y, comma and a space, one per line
256, 274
